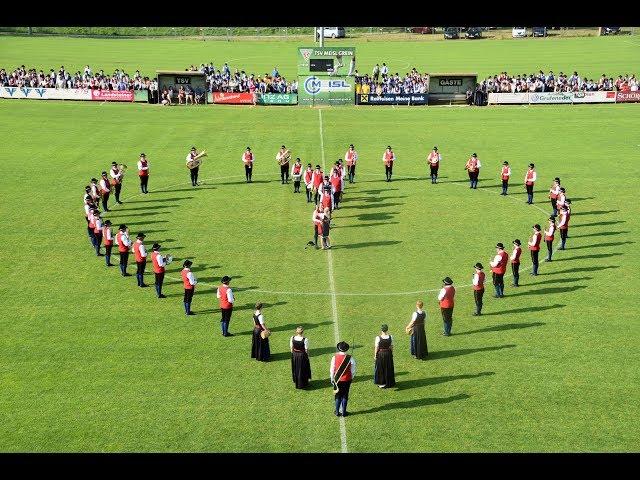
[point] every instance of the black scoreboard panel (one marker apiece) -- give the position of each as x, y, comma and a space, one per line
321, 65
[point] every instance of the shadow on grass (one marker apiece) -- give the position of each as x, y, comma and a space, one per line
380, 243
583, 257
601, 234
190, 189
146, 222
362, 225
149, 207
593, 212
465, 351
549, 290
524, 310
425, 382
291, 327
174, 199
597, 224
374, 205
363, 217
560, 280
501, 328
583, 269
601, 245
377, 192
421, 402
393, 180
244, 182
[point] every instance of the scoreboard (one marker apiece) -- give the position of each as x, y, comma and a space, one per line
325, 75
334, 61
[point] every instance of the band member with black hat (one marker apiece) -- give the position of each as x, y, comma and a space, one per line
91, 226
97, 230
189, 282
529, 181
247, 160
95, 191
383, 374
283, 157
107, 237
326, 194
116, 175
505, 174
193, 172
316, 183
296, 174
300, 366
549, 235
563, 226
226, 301
433, 159
554, 192
388, 157
260, 342
473, 168
515, 262
159, 264
143, 173
415, 328
534, 247
478, 288
446, 299
140, 253
561, 200
308, 175
336, 183
105, 191
351, 157
341, 372
498, 269
124, 244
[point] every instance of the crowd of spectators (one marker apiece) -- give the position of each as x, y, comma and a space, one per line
541, 82
223, 80
381, 82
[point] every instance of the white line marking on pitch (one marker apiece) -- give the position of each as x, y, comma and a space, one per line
332, 288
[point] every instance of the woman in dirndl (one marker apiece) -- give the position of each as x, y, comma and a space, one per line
300, 366
384, 374
416, 330
259, 345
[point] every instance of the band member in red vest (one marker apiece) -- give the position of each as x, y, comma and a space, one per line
563, 226
351, 157
124, 244
343, 174
433, 159
326, 226
554, 191
388, 157
341, 372
308, 175
498, 269
505, 174
529, 181
515, 262
478, 288
534, 247
316, 218
116, 174
89, 206
193, 172
95, 191
226, 300
107, 237
105, 190
143, 173
92, 228
445, 297
189, 282
336, 183
140, 253
561, 200
549, 235
473, 169
316, 183
326, 194
247, 160
159, 264
296, 174
97, 230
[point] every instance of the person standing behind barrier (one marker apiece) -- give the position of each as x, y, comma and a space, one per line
415, 328
384, 374
529, 182
515, 262
498, 269
534, 247
478, 288
505, 174
226, 301
446, 299
300, 366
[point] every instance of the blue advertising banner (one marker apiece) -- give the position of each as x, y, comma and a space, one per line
393, 99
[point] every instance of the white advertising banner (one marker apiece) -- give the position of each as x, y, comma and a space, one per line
503, 98
551, 97
45, 93
594, 97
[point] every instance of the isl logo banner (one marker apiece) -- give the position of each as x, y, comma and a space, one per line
314, 85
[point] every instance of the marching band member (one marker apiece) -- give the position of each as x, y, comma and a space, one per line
159, 265
141, 258
308, 174
116, 174
107, 236
498, 269
418, 339
124, 244
282, 157
433, 159
105, 190
326, 194
473, 168
446, 299
89, 206
296, 174
193, 172
549, 235
92, 228
534, 247
95, 191
343, 174
336, 183
226, 300
529, 181
351, 158
563, 226
383, 374
341, 373
259, 346
97, 230
247, 160
316, 181
478, 288
554, 191
143, 173
189, 282
316, 218
505, 174
300, 366
388, 157
515, 262
561, 200
326, 222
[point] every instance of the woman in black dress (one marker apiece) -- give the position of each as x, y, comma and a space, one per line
416, 330
259, 346
300, 366
384, 374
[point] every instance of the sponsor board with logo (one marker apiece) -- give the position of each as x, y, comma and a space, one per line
392, 99
314, 90
594, 97
112, 95
45, 93
551, 97
627, 97
240, 98
277, 99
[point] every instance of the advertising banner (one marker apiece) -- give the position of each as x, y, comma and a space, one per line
325, 61
240, 98
508, 98
594, 97
45, 93
141, 95
314, 90
277, 99
551, 97
112, 95
392, 99
628, 97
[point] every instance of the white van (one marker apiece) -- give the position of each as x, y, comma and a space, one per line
519, 32
331, 32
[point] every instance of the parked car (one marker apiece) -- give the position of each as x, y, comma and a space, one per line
539, 32
519, 32
423, 30
331, 32
610, 30
473, 32
451, 33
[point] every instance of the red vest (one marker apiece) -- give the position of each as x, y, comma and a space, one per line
536, 238
551, 230
434, 156
156, 267
349, 157
136, 251
337, 361
505, 173
317, 178
529, 177
518, 251
472, 164
326, 201
92, 221
449, 293
185, 279
336, 182
121, 247
224, 303
388, 158
480, 285
144, 173
247, 158
106, 229
501, 268
307, 176
296, 169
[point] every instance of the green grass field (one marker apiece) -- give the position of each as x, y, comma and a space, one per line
90, 362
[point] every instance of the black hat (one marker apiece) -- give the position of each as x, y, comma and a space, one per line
248, 148
226, 279
474, 154
342, 346
562, 189
351, 146
499, 245
516, 242
193, 148
326, 177
557, 179
309, 165
338, 162
384, 327
114, 163
505, 163
552, 217
537, 227
140, 235
531, 165
94, 179
283, 146
389, 147
317, 166
122, 227
478, 266
107, 222
435, 148
156, 246
297, 159
104, 174
142, 155
447, 281
187, 263
568, 200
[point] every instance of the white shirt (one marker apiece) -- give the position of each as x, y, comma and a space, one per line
142, 250
476, 279
87, 208
533, 179
98, 223
125, 239
108, 234
563, 221
355, 156
415, 315
393, 158
317, 217
260, 316
296, 175
140, 167
191, 278
189, 158
442, 293
230, 298
104, 184
160, 259
118, 176
352, 362
513, 254
377, 342
496, 261
298, 338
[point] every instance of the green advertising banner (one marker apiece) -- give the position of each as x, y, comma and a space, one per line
334, 61
277, 99
313, 90
140, 95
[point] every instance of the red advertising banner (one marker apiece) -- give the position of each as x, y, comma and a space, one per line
628, 97
242, 98
112, 95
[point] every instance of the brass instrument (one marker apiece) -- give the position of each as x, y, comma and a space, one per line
283, 157
197, 160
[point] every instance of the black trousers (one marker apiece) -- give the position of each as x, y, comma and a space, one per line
284, 172
534, 261
498, 280
388, 170
352, 173
141, 267
434, 170
309, 195
98, 241
563, 236
505, 186
159, 281
107, 250
117, 187
124, 258
477, 297
515, 269
194, 175
549, 248
188, 294
144, 181
529, 194
105, 201
447, 319
248, 170
554, 205
315, 234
